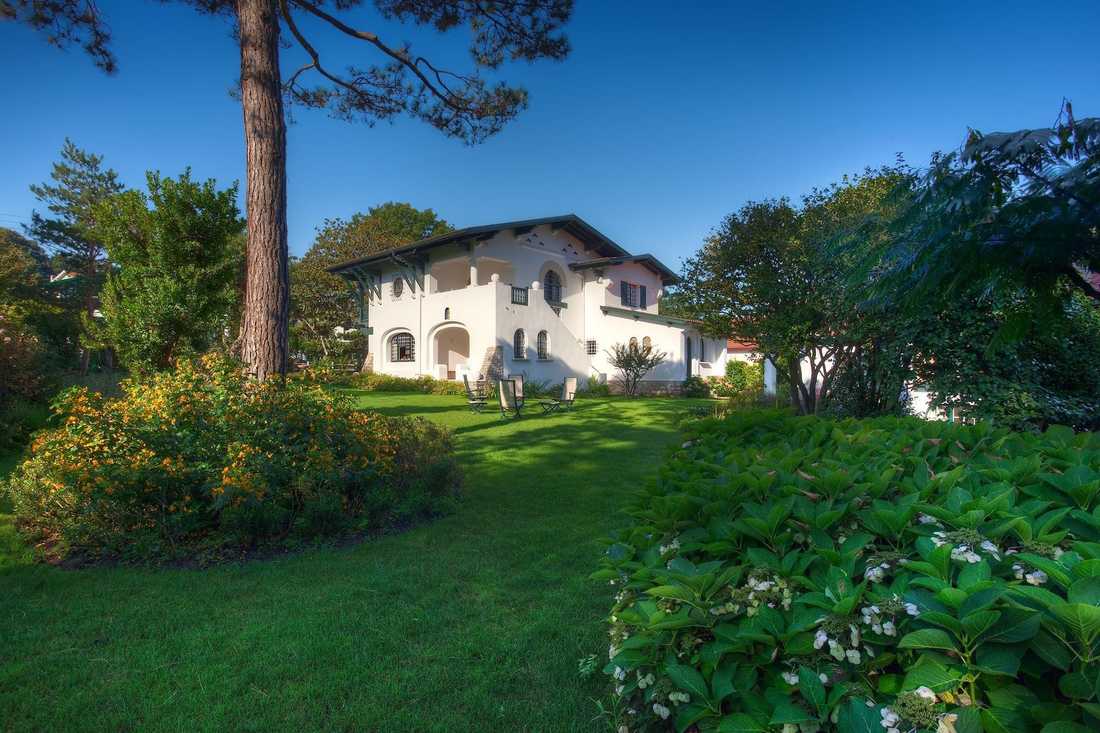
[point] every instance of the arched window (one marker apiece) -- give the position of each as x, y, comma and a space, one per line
519, 344
446, 314
647, 343
543, 343
402, 347
397, 287
551, 287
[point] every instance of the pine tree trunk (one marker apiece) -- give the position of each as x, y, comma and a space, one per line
266, 299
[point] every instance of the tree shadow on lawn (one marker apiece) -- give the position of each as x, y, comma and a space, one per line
473, 622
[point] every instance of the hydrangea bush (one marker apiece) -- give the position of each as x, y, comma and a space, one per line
798, 574
201, 462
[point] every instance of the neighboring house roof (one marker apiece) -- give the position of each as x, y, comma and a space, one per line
668, 277
571, 223
647, 316
734, 345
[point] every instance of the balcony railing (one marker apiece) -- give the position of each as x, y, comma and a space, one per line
519, 296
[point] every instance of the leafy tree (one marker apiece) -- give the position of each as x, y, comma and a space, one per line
633, 363
23, 269
79, 182
464, 105
177, 255
770, 274
320, 301
1047, 374
1011, 212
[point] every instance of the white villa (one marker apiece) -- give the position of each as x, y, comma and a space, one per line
545, 298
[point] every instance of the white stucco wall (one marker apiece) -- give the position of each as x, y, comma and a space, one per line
485, 311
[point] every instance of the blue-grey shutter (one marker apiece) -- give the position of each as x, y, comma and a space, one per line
642, 297
624, 292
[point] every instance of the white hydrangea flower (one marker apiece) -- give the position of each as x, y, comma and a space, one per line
836, 650
926, 693
888, 629
927, 519
661, 710
1036, 577
853, 656
679, 697
911, 609
853, 635
992, 549
963, 552
820, 639
790, 678
890, 720
619, 674
877, 573
939, 539
824, 678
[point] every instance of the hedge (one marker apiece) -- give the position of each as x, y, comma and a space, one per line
799, 574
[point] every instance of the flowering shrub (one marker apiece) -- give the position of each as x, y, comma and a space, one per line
201, 460
798, 574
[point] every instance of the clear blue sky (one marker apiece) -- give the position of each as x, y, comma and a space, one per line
665, 117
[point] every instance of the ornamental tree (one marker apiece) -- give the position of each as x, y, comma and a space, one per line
395, 80
176, 254
634, 362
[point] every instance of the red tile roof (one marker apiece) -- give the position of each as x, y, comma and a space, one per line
732, 345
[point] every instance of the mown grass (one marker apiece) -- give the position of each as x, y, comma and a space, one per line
474, 622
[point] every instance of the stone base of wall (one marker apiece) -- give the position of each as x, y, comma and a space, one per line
492, 366
650, 387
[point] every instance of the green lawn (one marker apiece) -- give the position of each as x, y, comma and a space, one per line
472, 622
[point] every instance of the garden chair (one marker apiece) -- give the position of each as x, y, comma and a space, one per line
475, 399
518, 380
568, 394
506, 394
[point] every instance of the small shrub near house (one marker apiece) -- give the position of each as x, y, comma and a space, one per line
799, 574
202, 463
377, 382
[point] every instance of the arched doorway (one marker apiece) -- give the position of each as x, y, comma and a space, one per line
452, 351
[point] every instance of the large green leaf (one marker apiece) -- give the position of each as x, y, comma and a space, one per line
689, 680
1014, 625
1085, 590
927, 639
927, 672
741, 723
812, 689
1082, 620
788, 712
857, 717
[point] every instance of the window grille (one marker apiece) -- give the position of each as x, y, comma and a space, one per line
551, 284
543, 342
519, 296
590, 347
519, 344
402, 347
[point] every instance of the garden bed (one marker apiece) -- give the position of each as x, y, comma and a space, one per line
885, 575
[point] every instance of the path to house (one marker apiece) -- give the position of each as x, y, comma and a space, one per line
474, 622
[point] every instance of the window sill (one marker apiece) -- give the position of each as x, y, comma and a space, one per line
546, 359
519, 358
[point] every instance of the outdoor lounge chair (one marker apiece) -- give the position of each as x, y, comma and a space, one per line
518, 379
506, 394
475, 398
568, 394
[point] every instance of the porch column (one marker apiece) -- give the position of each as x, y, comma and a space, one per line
473, 271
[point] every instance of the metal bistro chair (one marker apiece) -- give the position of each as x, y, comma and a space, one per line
510, 406
568, 394
475, 398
